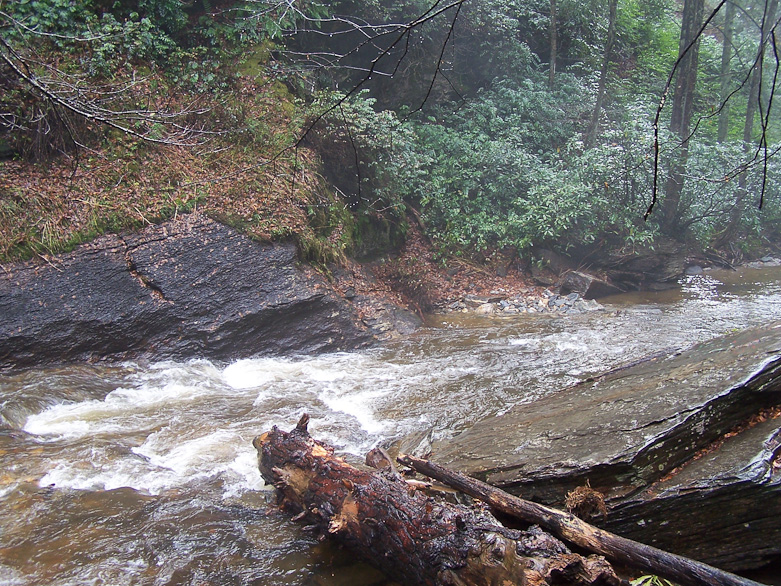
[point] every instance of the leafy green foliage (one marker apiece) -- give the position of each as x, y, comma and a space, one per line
373, 161
651, 580
495, 158
510, 170
63, 17
370, 156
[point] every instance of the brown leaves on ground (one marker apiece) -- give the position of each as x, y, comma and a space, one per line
429, 284
243, 177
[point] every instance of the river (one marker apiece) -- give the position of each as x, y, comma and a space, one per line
144, 473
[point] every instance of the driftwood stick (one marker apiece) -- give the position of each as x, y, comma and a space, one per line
568, 527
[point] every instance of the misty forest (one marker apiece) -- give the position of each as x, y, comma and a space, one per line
569, 125
373, 293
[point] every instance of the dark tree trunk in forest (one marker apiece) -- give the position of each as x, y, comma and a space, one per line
683, 101
726, 76
755, 100
593, 130
553, 44
412, 538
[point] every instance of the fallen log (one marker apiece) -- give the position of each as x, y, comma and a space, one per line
570, 528
413, 538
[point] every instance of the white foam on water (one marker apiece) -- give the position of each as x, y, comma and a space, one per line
187, 458
525, 344
255, 373
10, 576
171, 425
7, 489
60, 421
358, 406
243, 475
174, 424
571, 346
523, 341
162, 464
107, 416
67, 475
168, 385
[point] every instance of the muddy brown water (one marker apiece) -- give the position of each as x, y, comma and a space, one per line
144, 473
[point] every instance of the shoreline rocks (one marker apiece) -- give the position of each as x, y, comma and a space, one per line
503, 304
765, 262
186, 288
637, 435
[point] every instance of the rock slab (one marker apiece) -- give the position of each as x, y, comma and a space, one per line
626, 431
189, 288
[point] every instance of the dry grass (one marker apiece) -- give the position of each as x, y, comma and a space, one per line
586, 503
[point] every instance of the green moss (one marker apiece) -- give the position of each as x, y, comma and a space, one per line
255, 60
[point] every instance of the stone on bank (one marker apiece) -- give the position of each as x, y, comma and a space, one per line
184, 289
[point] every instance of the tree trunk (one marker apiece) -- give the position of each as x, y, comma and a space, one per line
553, 44
412, 538
754, 99
568, 527
726, 76
593, 130
683, 100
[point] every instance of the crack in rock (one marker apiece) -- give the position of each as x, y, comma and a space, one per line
154, 289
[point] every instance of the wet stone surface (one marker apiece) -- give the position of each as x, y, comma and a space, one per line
626, 430
190, 288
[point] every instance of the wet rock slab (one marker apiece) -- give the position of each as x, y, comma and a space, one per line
724, 508
190, 288
628, 429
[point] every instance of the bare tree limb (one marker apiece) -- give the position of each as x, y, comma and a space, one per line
569, 528
662, 101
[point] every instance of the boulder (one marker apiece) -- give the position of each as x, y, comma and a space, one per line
587, 285
654, 267
626, 431
723, 507
188, 288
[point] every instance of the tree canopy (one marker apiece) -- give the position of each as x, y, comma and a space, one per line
517, 124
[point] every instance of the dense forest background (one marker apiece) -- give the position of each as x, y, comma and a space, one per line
513, 125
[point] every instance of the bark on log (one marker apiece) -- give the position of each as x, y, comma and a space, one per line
568, 527
411, 537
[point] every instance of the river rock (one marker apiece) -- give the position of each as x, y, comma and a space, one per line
189, 288
723, 507
624, 432
587, 285
654, 267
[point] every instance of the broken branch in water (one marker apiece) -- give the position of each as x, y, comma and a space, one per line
568, 527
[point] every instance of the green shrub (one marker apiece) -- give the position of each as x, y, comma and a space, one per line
371, 157
510, 170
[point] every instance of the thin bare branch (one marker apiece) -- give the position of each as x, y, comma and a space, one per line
91, 103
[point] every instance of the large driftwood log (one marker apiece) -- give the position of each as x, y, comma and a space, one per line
568, 527
411, 537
